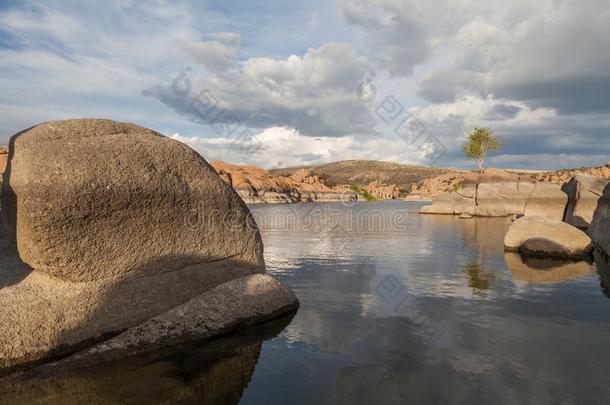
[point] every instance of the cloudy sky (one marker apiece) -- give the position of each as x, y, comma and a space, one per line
285, 83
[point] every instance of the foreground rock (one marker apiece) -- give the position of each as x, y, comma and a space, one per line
112, 224
599, 230
217, 372
583, 192
544, 237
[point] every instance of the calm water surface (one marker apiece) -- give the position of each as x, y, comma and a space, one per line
426, 309
395, 308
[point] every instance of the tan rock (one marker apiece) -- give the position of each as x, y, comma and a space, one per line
382, 191
537, 236
546, 200
256, 185
583, 193
599, 231
500, 193
116, 224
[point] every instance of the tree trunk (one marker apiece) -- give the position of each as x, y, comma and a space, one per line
480, 161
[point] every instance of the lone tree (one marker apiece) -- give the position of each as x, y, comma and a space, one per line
480, 142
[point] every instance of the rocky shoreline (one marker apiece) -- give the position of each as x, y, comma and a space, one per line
258, 186
552, 220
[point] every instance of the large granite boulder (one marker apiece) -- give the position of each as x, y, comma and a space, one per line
495, 193
501, 193
110, 224
583, 192
546, 200
599, 230
543, 237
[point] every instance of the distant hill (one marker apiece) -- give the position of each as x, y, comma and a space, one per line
366, 171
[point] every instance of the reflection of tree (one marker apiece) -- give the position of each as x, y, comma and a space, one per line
478, 278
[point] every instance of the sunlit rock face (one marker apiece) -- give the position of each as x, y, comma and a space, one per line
107, 225
542, 237
583, 191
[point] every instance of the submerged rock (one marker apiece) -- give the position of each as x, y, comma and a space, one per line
545, 237
583, 192
111, 224
599, 230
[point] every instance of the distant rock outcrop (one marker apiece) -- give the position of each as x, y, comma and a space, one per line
543, 237
111, 224
256, 185
382, 191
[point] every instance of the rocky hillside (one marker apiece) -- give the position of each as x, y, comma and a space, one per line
364, 172
256, 185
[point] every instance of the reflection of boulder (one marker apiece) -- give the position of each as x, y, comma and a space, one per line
600, 225
583, 192
536, 236
119, 224
212, 373
535, 270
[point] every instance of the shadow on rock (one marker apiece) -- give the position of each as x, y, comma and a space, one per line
216, 372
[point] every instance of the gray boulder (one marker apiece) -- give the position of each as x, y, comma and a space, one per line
110, 224
599, 230
543, 237
583, 192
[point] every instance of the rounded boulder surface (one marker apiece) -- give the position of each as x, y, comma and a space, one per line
543, 237
93, 199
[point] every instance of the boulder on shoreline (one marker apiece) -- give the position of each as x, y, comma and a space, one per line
599, 230
108, 225
495, 193
583, 192
546, 200
543, 237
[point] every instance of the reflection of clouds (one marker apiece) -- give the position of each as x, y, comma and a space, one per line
510, 341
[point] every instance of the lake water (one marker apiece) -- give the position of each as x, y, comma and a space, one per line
395, 308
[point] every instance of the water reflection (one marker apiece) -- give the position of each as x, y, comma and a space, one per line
479, 279
215, 372
535, 270
503, 340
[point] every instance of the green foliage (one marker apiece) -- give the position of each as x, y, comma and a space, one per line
367, 196
480, 142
